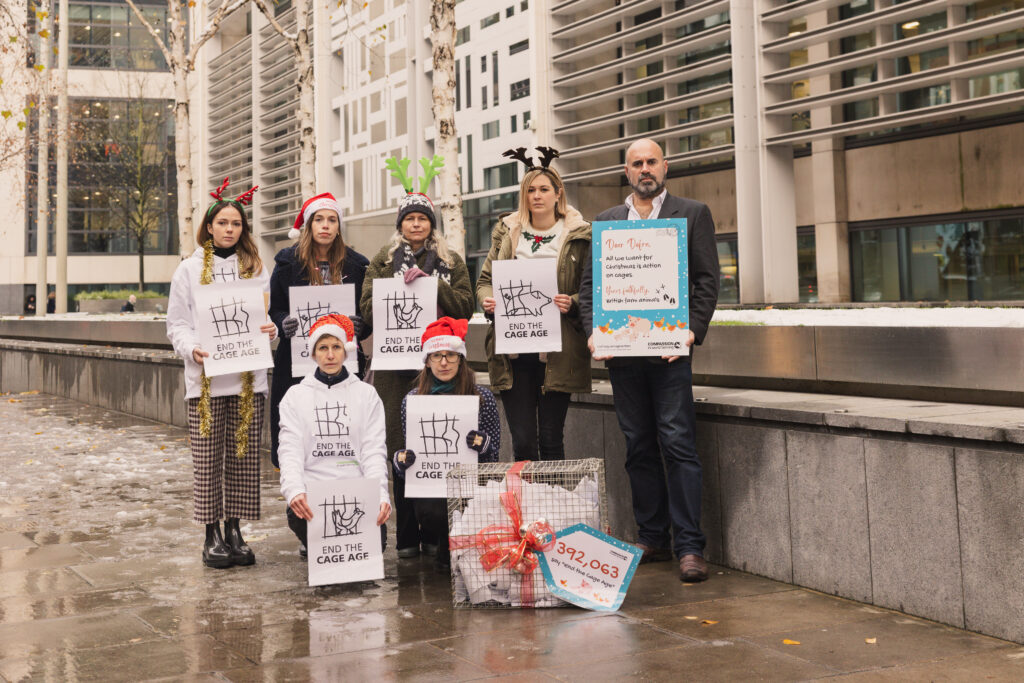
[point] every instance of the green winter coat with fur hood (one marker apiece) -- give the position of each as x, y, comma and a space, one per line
569, 369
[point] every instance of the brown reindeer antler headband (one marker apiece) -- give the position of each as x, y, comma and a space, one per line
548, 154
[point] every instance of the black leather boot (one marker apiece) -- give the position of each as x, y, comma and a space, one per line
241, 554
216, 553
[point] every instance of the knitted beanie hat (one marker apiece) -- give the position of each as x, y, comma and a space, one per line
445, 334
414, 202
335, 325
310, 207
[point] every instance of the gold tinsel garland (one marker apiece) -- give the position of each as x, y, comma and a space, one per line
245, 403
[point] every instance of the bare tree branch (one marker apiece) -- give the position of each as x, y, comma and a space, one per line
226, 9
157, 38
292, 38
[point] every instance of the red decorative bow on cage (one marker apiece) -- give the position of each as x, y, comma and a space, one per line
514, 545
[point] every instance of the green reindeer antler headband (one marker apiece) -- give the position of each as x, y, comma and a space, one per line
400, 169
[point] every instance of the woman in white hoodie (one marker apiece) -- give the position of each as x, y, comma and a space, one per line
225, 413
332, 427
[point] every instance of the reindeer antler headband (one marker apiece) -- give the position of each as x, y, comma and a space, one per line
241, 200
548, 154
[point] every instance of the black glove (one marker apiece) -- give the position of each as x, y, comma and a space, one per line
402, 461
358, 326
290, 326
478, 441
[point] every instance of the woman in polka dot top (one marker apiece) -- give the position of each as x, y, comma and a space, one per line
445, 371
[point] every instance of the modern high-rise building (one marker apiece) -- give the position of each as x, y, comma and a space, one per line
857, 151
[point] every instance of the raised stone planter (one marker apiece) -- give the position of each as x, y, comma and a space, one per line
153, 305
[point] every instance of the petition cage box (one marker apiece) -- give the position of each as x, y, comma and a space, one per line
500, 515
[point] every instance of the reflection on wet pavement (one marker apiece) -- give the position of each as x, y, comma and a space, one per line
101, 579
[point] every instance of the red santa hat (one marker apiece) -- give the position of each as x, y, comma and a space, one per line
335, 325
445, 334
310, 207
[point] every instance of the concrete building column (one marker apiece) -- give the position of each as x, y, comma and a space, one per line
765, 189
828, 161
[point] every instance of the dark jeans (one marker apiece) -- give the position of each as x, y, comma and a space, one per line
298, 527
654, 404
536, 418
432, 514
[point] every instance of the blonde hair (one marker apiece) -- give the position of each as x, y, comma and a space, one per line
306, 253
438, 245
249, 260
561, 206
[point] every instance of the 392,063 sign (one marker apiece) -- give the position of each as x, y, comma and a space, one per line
588, 568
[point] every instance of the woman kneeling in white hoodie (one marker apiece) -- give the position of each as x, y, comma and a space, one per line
332, 427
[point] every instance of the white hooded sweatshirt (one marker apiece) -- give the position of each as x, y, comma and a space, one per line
331, 432
181, 326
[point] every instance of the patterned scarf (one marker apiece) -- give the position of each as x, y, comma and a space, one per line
245, 405
405, 258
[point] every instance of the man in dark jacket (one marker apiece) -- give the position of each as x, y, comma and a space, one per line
654, 396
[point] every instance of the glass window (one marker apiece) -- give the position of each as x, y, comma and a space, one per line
728, 277
519, 47
490, 20
807, 266
492, 130
520, 89
976, 260
503, 175
461, 36
509, 11
121, 180
108, 35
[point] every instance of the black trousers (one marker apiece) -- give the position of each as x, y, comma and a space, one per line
432, 514
536, 418
300, 526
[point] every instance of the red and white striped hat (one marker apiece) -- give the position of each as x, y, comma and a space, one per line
310, 207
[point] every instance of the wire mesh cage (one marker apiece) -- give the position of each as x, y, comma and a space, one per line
500, 515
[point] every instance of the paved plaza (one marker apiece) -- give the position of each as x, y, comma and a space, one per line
101, 579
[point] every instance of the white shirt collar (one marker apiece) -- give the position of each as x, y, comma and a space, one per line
656, 203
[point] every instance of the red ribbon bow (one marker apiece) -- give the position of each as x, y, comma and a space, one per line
514, 545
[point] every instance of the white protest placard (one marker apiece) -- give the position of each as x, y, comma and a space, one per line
307, 305
526, 319
228, 316
401, 313
589, 568
435, 429
343, 536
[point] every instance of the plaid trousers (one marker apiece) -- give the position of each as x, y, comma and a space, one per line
225, 485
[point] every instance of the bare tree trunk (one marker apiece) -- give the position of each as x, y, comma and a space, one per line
182, 127
181, 63
442, 38
43, 160
142, 265
304, 62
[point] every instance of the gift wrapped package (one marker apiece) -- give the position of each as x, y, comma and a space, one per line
500, 515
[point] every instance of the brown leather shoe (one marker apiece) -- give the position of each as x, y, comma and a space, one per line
692, 569
652, 554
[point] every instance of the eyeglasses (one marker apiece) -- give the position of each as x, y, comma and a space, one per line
450, 356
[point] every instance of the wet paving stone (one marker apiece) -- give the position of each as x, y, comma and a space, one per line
116, 591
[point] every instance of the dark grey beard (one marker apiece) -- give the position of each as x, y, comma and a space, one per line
648, 194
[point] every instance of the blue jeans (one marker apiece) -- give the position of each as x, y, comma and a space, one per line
654, 404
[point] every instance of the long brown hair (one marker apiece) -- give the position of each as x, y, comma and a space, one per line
249, 260
465, 380
306, 253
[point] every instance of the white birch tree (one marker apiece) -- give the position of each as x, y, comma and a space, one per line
300, 42
446, 144
181, 61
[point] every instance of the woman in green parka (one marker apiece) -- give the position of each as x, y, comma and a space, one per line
535, 387
415, 250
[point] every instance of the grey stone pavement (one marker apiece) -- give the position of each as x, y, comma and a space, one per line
101, 579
